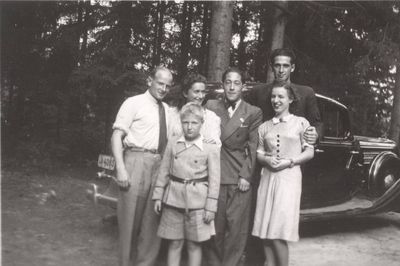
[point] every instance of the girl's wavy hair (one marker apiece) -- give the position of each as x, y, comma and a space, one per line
288, 88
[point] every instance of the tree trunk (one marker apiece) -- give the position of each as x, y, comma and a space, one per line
278, 32
159, 33
187, 18
264, 35
85, 32
205, 36
244, 16
394, 132
124, 22
220, 39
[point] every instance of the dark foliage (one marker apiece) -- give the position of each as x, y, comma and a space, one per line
67, 66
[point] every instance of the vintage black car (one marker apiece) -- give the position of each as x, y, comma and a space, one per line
349, 175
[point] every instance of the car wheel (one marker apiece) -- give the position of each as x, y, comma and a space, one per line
383, 174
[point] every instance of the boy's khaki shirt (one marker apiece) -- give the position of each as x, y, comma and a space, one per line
197, 161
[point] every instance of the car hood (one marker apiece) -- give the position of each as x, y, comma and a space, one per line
370, 142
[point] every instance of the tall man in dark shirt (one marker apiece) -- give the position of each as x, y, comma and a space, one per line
283, 65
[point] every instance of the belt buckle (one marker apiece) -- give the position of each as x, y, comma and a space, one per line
154, 151
186, 181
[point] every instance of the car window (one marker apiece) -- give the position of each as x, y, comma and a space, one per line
333, 119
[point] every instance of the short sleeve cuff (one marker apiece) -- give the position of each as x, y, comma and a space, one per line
305, 144
262, 152
121, 127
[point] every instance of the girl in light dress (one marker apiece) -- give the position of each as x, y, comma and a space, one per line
281, 151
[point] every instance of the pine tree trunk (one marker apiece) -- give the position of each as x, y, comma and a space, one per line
264, 35
124, 22
243, 13
159, 33
85, 32
205, 36
185, 37
394, 132
278, 32
220, 39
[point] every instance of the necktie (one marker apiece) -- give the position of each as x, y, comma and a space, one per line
162, 138
230, 104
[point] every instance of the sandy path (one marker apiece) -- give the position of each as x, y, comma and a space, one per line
42, 229
364, 241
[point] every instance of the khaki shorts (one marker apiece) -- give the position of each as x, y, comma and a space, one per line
175, 224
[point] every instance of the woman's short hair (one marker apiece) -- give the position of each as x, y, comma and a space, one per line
192, 109
191, 79
186, 83
288, 88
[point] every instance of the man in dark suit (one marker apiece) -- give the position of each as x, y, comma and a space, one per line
239, 137
283, 64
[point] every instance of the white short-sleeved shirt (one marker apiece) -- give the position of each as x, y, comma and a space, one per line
138, 118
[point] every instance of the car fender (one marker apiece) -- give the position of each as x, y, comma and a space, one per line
384, 165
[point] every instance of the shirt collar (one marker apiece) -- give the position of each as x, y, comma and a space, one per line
150, 97
276, 120
198, 142
237, 103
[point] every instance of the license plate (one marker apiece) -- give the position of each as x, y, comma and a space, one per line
106, 162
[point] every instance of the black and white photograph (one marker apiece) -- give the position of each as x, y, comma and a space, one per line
200, 133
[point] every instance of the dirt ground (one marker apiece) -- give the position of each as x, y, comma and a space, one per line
47, 220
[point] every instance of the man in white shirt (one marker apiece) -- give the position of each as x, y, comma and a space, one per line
137, 143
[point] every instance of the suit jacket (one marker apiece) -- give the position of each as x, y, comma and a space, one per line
239, 137
305, 105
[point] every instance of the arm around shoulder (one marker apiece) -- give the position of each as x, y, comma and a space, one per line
308, 150
312, 112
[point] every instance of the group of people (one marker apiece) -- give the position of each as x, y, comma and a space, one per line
188, 173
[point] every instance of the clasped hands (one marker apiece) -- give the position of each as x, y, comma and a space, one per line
277, 163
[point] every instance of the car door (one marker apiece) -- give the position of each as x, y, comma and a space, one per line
325, 177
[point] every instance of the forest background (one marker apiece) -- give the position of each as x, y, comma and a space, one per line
66, 66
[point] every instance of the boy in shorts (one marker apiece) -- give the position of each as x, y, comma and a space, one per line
187, 189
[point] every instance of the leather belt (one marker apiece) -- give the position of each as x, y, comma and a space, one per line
187, 180
138, 149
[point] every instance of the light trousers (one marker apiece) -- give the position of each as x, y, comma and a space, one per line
137, 222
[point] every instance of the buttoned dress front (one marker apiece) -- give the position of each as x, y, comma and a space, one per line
278, 200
